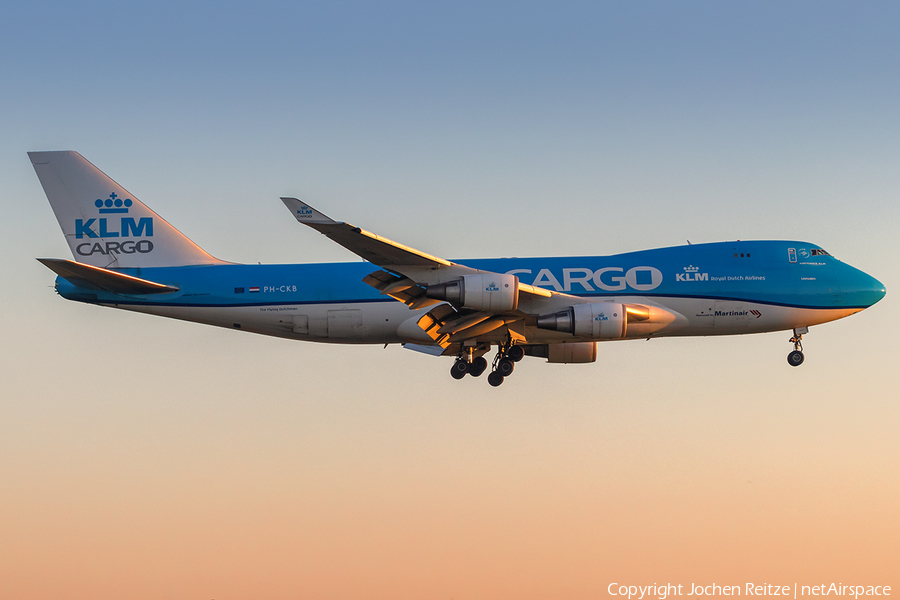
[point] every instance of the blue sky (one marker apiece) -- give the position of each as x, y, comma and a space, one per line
691, 110
465, 130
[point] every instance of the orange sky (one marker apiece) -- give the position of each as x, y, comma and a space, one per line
266, 487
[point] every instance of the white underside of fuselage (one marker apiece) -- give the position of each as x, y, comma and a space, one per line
378, 322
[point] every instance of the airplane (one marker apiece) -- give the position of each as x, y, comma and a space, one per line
555, 308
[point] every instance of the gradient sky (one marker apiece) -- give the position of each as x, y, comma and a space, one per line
147, 458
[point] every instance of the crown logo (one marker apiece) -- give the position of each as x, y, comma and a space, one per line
691, 269
113, 204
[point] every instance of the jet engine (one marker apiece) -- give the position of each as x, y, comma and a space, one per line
483, 291
597, 321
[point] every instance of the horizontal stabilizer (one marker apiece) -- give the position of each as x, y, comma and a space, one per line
97, 278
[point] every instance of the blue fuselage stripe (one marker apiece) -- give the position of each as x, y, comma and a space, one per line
777, 273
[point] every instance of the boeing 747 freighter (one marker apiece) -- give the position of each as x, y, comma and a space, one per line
556, 308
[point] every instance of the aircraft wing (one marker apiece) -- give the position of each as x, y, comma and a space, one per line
374, 248
415, 266
411, 276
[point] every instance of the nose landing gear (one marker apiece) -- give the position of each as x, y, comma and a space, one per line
795, 358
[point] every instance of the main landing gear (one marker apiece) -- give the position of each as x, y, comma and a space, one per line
795, 358
463, 367
505, 363
469, 364
503, 366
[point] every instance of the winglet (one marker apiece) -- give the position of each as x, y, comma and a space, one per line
306, 214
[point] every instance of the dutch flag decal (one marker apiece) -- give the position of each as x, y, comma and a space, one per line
254, 289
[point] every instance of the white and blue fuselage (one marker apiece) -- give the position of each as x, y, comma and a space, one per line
722, 288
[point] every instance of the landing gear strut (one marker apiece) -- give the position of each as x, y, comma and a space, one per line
795, 358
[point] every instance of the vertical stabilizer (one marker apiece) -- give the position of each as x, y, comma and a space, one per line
106, 226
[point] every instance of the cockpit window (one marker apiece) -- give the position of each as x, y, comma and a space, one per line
819, 252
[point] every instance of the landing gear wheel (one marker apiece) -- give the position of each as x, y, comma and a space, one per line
495, 378
795, 358
477, 366
505, 367
516, 353
459, 369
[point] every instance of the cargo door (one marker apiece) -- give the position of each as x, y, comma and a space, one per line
344, 323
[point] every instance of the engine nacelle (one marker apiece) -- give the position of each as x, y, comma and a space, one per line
483, 291
598, 321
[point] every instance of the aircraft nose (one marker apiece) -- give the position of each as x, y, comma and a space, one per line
862, 289
877, 290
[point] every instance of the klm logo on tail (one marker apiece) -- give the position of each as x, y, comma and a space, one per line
113, 201
106, 227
